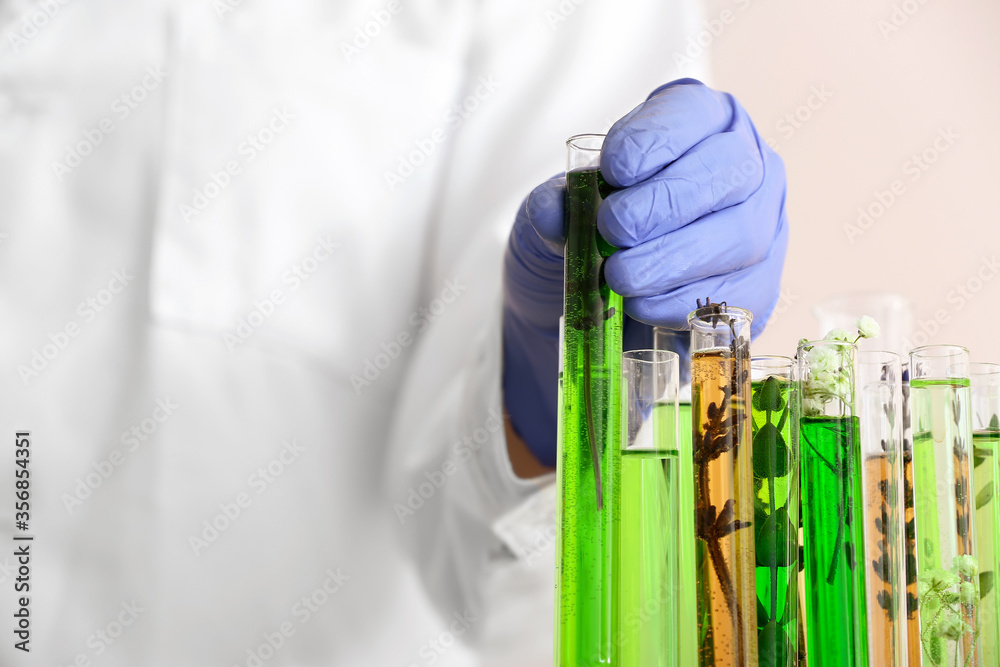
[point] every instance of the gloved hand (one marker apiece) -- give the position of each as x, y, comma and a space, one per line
701, 214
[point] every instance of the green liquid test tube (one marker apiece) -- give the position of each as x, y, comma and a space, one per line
687, 632
947, 553
589, 460
986, 473
776, 508
832, 512
648, 576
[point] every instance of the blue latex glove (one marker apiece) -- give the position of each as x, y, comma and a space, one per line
701, 214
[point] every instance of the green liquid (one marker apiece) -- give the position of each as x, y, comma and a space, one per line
833, 537
942, 504
589, 435
650, 535
914, 650
776, 520
985, 460
688, 628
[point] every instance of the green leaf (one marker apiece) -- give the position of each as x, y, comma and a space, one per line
979, 456
984, 496
985, 583
936, 652
772, 645
770, 454
777, 541
762, 616
994, 423
770, 395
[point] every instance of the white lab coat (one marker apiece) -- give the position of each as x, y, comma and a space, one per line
242, 348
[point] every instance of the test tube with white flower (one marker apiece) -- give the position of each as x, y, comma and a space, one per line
832, 506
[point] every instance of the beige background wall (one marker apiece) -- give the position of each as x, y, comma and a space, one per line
891, 95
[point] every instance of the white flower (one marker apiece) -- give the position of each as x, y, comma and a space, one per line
811, 406
842, 387
838, 334
823, 359
868, 327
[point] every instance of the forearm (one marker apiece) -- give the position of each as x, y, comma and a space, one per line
525, 464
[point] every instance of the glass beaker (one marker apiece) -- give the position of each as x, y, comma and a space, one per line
893, 312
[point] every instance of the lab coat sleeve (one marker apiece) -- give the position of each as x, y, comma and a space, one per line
459, 505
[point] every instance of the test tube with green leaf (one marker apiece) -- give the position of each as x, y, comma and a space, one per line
986, 473
774, 402
948, 583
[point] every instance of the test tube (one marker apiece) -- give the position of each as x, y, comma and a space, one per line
947, 558
723, 486
985, 473
649, 530
832, 514
590, 421
679, 342
880, 408
776, 508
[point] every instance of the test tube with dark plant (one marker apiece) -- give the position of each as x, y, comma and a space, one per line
590, 421
879, 399
723, 486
